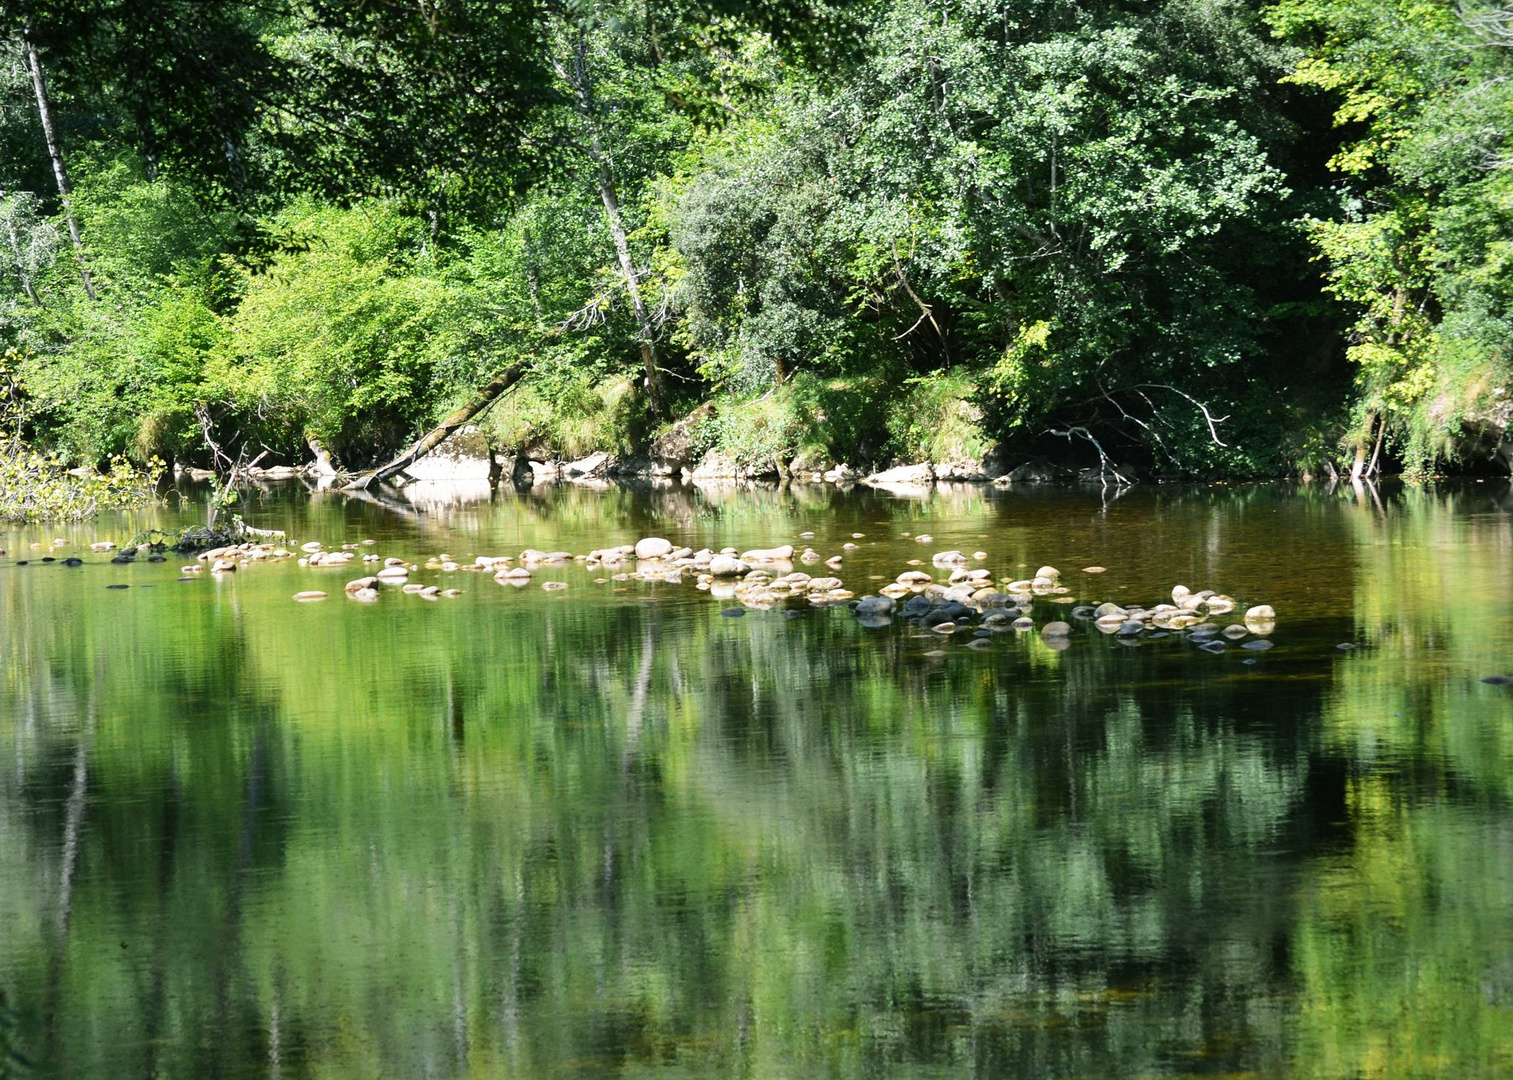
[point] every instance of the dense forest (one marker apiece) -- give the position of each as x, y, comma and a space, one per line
1194, 237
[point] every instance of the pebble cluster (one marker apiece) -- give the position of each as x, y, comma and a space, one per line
969, 601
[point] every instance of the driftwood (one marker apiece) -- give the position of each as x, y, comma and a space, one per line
437, 435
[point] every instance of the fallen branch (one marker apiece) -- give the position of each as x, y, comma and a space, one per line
438, 435
1106, 464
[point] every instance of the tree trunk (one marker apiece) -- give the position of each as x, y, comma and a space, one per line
323, 465
577, 77
55, 151
654, 389
1359, 465
1374, 469
437, 435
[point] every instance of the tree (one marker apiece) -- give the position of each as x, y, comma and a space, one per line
55, 152
1418, 248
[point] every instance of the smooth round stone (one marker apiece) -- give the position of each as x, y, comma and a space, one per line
365, 596
553, 586
119, 560
1235, 632
1498, 680
1260, 613
1346, 646
653, 547
734, 613
73, 562
309, 595
118, 586
723, 565
1094, 570
1257, 646
1056, 629
1024, 623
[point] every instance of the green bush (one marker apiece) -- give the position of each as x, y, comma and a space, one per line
36, 487
355, 337
569, 418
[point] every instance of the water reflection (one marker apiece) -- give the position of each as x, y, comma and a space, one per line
609, 833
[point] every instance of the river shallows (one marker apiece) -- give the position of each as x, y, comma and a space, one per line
604, 831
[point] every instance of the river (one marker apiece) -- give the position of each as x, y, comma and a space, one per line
609, 831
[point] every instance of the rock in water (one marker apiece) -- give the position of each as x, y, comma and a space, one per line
777, 554
653, 547
1499, 680
727, 566
309, 595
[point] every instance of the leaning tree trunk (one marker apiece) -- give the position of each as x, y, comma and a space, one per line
437, 435
55, 151
577, 76
654, 389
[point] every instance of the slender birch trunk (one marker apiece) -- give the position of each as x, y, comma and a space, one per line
578, 79
55, 151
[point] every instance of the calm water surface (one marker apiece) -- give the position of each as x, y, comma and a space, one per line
606, 832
